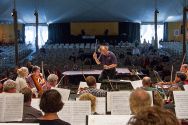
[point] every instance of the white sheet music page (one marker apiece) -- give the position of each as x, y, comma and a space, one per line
108, 119
108, 99
186, 87
181, 104
120, 103
75, 112
13, 107
136, 84
64, 93
151, 96
84, 84
19, 123
35, 103
2, 107
100, 105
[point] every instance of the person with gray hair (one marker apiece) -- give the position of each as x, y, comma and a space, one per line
157, 98
9, 86
146, 81
109, 61
139, 99
51, 82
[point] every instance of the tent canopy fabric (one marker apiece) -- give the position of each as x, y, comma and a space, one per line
51, 11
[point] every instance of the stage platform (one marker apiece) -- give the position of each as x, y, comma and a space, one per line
95, 72
71, 79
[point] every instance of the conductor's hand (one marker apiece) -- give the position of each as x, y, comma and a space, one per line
94, 55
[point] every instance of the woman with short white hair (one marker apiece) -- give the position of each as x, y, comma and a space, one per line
21, 78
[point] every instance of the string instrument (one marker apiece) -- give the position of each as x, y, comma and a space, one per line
39, 82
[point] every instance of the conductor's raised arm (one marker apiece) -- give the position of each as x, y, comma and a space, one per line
95, 58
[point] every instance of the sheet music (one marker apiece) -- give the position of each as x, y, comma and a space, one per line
100, 105
84, 84
75, 112
19, 123
151, 96
2, 107
119, 103
136, 84
35, 103
12, 107
108, 119
181, 104
108, 100
64, 93
185, 87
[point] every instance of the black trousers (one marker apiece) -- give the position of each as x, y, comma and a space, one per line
107, 74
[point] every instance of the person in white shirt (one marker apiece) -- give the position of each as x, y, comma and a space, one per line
21, 78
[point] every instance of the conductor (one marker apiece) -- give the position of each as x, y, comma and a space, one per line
108, 60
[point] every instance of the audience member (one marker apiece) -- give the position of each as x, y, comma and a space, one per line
139, 100
91, 82
30, 114
154, 116
9, 86
50, 104
89, 97
21, 78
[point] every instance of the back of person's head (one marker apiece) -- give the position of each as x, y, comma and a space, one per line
138, 100
181, 75
91, 81
51, 101
89, 97
146, 81
27, 94
154, 116
52, 79
9, 86
23, 71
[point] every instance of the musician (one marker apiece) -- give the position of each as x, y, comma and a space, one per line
21, 78
35, 80
179, 79
139, 99
91, 82
9, 86
178, 83
51, 82
184, 68
30, 114
108, 60
154, 116
147, 85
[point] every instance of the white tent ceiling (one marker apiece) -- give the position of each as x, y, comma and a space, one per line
92, 10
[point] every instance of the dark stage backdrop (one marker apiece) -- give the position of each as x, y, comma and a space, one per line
130, 29
58, 32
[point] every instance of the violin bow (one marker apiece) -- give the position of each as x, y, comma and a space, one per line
172, 69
